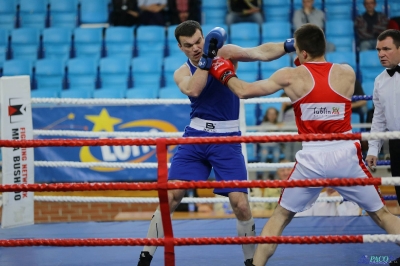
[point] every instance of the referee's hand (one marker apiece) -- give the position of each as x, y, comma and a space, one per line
371, 162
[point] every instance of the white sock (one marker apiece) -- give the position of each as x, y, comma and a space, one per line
155, 231
247, 228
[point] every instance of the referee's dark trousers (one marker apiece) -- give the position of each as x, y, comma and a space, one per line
394, 150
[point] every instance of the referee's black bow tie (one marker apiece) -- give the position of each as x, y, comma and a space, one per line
393, 70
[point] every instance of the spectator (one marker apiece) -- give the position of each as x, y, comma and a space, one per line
369, 25
343, 208
152, 12
310, 14
244, 11
124, 13
182, 10
394, 23
269, 151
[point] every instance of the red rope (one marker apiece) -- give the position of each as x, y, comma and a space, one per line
176, 141
169, 251
191, 185
99, 242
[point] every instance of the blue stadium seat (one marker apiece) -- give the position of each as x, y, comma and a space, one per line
57, 43
172, 63
369, 64
338, 11
142, 93
76, 94
267, 68
4, 44
171, 92
277, 13
251, 111
82, 73
172, 44
245, 68
251, 152
3, 56
214, 12
150, 40
8, 6
275, 31
64, 13
88, 42
107, 94
393, 8
17, 67
44, 93
25, 43
8, 21
64, 20
368, 88
146, 71
119, 41
341, 34
94, 11
49, 74
114, 73
33, 13
355, 119
342, 57
248, 33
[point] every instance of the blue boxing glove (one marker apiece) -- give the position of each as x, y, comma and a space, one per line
288, 45
214, 40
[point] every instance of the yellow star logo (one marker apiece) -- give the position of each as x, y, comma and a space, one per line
103, 122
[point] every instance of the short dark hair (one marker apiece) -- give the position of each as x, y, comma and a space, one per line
311, 39
395, 34
187, 29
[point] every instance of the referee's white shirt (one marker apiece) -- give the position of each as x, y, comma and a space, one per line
386, 100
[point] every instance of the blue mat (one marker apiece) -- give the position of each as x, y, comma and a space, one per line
219, 255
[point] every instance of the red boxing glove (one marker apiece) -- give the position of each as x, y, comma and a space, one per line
222, 69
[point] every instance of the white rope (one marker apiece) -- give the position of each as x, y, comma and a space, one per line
121, 134
380, 135
381, 238
139, 101
156, 200
390, 181
253, 167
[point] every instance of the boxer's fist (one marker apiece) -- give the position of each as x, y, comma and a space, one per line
288, 45
222, 69
214, 40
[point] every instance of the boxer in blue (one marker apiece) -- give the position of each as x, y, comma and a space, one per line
215, 112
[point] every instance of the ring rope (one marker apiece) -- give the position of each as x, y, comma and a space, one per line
203, 184
95, 242
198, 140
83, 199
251, 166
106, 101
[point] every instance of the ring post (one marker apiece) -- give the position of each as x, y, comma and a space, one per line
16, 124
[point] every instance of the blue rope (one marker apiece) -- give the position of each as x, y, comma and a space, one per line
361, 97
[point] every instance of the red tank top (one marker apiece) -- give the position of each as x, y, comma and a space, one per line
322, 110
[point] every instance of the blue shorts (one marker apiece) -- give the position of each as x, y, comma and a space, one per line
193, 162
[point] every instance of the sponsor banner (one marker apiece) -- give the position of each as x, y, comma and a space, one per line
322, 111
16, 124
139, 118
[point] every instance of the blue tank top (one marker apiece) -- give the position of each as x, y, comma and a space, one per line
216, 102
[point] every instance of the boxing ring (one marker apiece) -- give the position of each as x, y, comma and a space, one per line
89, 240
306, 241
